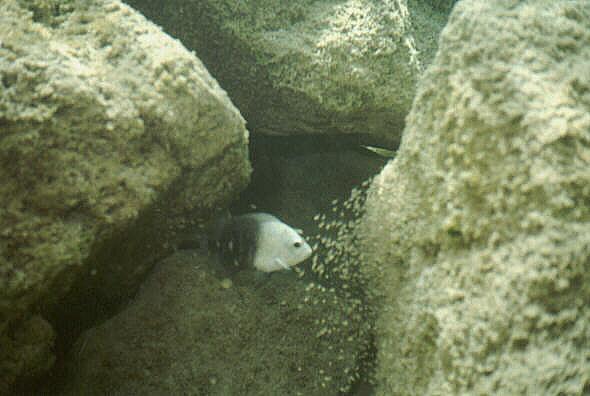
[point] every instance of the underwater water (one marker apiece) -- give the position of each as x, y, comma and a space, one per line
142, 160
315, 197
197, 317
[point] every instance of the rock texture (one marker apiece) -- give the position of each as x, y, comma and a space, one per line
108, 130
193, 331
477, 236
311, 66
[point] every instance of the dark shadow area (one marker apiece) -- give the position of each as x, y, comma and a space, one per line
293, 178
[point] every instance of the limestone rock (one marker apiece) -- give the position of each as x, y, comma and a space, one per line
477, 236
301, 67
109, 130
191, 331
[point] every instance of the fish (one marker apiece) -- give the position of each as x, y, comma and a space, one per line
259, 240
380, 151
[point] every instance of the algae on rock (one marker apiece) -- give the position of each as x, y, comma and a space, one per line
302, 67
192, 331
104, 120
477, 236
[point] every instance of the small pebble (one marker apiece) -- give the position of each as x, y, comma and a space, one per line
226, 283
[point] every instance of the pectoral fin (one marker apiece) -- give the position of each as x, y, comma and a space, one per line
282, 264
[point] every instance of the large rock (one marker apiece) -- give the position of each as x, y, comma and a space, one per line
191, 331
314, 66
477, 236
109, 129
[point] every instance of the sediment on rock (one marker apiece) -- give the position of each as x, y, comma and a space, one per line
102, 115
477, 235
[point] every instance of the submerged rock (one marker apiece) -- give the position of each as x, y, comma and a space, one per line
191, 330
109, 130
477, 236
311, 67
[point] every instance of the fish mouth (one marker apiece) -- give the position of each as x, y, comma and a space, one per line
308, 253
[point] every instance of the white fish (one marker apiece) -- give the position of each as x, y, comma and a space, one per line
260, 240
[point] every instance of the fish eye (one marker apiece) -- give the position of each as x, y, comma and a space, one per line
297, 244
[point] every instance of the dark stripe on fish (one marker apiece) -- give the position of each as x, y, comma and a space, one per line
238, 240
